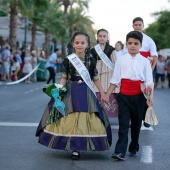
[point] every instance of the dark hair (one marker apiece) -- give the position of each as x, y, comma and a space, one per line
70, 48
137, 19
56, 49
121, 44
160, 56
102, 30
134, 34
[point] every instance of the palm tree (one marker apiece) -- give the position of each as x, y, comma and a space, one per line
33, 10
53, 24
13, 5
66, 4
78, 21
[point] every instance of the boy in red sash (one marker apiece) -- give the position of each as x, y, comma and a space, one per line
148, 50
131, 69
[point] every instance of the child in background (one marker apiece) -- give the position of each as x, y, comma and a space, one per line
118, 49
104, 72
130, 71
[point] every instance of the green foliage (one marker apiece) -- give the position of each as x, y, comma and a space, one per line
78, 21
3, 13
48, 17
160, 29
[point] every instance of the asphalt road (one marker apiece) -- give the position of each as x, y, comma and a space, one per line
21, 108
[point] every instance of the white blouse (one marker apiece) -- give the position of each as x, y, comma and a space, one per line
133, 68
118, 53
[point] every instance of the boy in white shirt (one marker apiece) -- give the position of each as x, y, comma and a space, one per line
148, 50
131, 69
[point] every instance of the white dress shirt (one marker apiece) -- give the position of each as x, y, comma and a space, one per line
148, 45
133, 68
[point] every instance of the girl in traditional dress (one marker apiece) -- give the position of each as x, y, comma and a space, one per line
85, 126
104, 72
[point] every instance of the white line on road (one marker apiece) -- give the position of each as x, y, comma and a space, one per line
146, 156
142, 127
36, 124
17, 124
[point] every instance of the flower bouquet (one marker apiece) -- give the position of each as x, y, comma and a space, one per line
56, 91
150, 117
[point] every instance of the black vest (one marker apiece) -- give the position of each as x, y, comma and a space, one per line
71, 71
107, 50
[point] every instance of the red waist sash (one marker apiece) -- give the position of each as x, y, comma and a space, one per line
130, 87
145, 54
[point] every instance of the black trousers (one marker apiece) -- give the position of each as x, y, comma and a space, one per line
52, 75
130, 109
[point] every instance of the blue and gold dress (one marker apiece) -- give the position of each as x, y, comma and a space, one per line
85, 125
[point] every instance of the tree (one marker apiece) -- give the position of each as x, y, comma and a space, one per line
160, 29
83, 4
32, 9
52, 23
78, 21
13, 5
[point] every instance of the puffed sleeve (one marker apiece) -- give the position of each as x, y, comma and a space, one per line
66, 68
93, 71
113, 58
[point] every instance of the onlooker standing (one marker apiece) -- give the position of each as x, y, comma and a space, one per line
34, 64
27, 66
168, 70
160, 71
6, 63
52, 60
22, 64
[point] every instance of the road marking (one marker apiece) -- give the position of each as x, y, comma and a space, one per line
30, 91
146, 156
36, 124
142, 127
18, 124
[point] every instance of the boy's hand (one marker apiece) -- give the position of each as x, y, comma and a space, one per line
103, 97
149, 103
107, 98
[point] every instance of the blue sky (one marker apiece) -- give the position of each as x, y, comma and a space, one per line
116, 15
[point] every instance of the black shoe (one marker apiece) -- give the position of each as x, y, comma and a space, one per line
133, 154
146, 125
118, 156
75, 155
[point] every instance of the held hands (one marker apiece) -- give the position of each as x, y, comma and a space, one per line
104, 98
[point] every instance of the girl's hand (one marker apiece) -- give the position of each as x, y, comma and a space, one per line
103, 97
59, 97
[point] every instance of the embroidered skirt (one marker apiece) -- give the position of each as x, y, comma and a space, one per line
105, 75
85, 126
